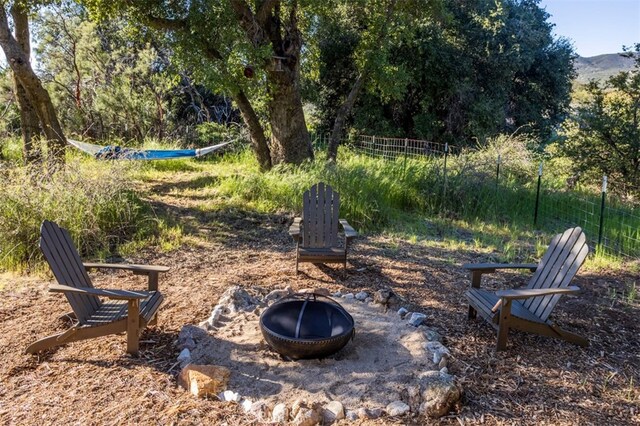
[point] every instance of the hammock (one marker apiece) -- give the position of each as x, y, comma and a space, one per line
115, 152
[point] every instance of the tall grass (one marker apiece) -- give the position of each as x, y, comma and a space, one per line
95, 201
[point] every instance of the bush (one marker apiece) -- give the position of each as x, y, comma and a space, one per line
94, 201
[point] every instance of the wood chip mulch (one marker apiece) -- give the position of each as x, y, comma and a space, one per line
536, 381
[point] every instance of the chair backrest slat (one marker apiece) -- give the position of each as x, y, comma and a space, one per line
66, 265
320, 214
559, 265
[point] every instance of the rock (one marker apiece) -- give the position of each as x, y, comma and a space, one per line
416, 319
361, 269
337, 294
276, 295
280, 413
332, 411
236, 299
369, 413
349, 296
246, 405
362, 295
439, 393
397, 408
439, 352
402, 312
189, 337
443, 362
368, 300
203, 380
260, 410
432, 335
185, 357
188, 343
351, 415
444, 370
229, 395
306, 417
382, 296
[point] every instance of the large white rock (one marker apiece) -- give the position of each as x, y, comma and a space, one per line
203, 380
230, 395
280, 413
416, 318
439, 393
397, 408
438, 351
332, 411
362, 295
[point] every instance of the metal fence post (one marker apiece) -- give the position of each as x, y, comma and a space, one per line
444, 171
602, 205
498, 170
535, 213
404, 166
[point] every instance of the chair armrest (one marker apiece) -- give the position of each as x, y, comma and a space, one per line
349, 232
295, 228
486, 268
136, 269
525, 293
89, 291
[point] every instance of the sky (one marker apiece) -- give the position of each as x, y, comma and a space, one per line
596, 26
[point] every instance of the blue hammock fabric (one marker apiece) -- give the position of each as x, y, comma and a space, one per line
115, 152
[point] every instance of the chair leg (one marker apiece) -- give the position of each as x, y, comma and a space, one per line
569, 336
472, 313
133, 326
47, 343
503, 325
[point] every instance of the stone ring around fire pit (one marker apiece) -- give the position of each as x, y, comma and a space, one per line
306, 325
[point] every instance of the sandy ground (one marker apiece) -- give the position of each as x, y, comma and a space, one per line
371, 371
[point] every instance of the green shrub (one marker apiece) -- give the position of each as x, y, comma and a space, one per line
93, 200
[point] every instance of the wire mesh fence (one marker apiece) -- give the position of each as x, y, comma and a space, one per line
392, 148
488, 189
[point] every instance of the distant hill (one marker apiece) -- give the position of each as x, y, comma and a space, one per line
601, 67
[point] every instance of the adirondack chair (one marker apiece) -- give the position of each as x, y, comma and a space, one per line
129, 311
316, 232
528, 309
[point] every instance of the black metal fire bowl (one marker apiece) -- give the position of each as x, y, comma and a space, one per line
306, 325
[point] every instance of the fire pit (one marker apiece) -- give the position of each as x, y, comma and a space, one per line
306, 325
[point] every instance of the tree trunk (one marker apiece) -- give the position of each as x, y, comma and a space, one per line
341, 117
258, 139
29, 122
290, 140
272, 26
34, 91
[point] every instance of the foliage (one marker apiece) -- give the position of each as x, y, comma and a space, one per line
483, 68
603, 136
94, 201
111, 80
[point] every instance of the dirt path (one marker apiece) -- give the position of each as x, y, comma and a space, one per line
537, 381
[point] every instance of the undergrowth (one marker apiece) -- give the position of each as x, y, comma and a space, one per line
94, 201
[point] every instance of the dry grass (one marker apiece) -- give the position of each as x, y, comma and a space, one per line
537, 381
